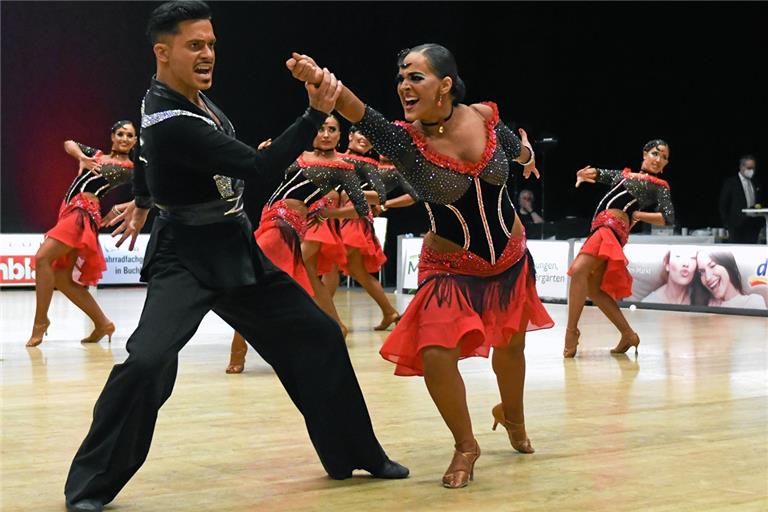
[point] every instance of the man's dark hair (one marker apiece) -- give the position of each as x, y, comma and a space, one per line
165, 18
744, 159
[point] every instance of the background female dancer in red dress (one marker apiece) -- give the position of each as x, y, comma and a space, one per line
71, 258
477, 287
307, 195
400, 193
600, 269
323, 248
364, 253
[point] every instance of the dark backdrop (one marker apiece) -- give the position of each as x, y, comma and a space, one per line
603, 78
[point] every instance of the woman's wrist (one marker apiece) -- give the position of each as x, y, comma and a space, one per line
531, 158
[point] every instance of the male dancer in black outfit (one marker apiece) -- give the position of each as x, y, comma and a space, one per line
201, 257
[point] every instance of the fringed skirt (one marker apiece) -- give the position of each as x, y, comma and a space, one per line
606, 241
359, 234
78, 227
279, 236
328, 234
464, 300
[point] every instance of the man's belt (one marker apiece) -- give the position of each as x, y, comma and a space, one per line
199, 214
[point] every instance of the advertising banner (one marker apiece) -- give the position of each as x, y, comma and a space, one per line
713, 276
408, 250
17, 259
550, 257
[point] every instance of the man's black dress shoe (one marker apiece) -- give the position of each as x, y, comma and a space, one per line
391, 469
85, 506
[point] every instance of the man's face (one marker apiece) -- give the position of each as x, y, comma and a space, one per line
190, 54
748, 168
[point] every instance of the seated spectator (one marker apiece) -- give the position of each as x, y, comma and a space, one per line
528, 215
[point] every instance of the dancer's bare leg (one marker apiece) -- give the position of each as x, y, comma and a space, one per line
331, 280
357, 270
446, 387
581, 269
509, 366
45, 281
79, 295
605, 302
309, 252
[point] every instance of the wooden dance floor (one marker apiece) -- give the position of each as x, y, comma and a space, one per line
682, 427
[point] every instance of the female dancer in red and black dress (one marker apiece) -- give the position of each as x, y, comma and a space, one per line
477, 288
399, 192
70, 258
600, 269
322, 247
364, 253
307, 195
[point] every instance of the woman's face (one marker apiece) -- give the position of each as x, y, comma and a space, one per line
124, 139
359, 143
328, 135
681, 266
714, 277
655, 159
418, 87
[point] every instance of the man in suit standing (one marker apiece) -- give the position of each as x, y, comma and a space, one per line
740, 192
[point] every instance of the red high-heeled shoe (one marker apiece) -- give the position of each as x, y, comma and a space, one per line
516, 431
462, 468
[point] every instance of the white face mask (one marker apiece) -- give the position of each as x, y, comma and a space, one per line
748, 173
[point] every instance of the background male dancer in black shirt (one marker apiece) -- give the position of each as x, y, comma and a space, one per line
202, 256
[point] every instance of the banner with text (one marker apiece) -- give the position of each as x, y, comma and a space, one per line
550, 257
17, 259
716, 276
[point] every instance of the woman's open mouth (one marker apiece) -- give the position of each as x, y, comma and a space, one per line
410, 103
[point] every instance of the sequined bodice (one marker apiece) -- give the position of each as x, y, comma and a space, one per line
394, 182
309, 180
367, 173
114, 173
632, 192
467, 202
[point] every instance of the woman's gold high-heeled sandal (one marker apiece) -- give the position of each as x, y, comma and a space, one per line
571, 342
38, 331
99, 332
387, 321
628, 340
516, 431
462, 468
237, 361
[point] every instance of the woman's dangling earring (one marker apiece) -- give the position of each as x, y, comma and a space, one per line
440, 101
